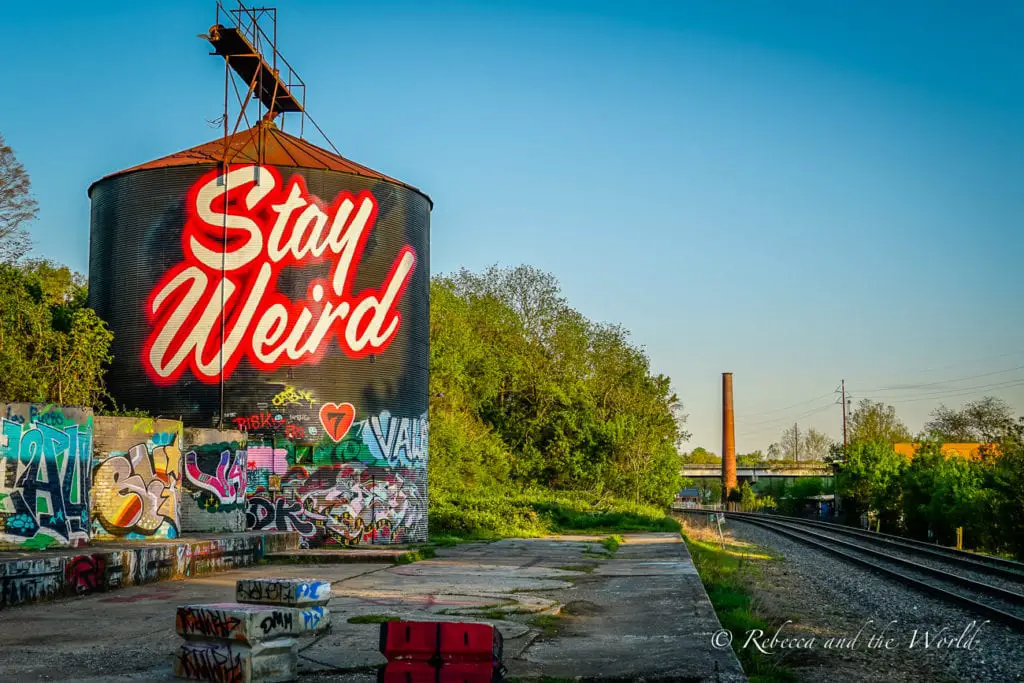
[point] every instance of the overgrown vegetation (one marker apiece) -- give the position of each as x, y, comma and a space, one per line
503, 511
52, 347
930, 495
542, 420
725, 573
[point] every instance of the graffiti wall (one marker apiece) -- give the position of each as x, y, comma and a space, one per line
26, 580
319, 299
363, 482
213, 489
136, 480
45, 474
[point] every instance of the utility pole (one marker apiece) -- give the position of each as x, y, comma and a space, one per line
796, 440
844, 413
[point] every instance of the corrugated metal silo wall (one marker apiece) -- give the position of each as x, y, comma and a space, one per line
337, 447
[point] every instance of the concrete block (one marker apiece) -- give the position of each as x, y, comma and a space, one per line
313, 619
237, 622
272, 661
288, 592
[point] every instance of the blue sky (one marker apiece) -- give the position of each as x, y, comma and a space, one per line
794, 192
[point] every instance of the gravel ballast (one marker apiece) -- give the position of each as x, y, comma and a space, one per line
827, 597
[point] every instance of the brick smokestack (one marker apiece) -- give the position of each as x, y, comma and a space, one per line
728, 438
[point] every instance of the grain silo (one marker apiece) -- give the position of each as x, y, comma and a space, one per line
321, 268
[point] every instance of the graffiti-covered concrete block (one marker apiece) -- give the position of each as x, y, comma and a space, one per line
290, 592
136, 483
313, 619
237, 622
45, 475
213, 488
270, 661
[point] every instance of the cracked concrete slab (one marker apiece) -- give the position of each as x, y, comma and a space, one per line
640, 612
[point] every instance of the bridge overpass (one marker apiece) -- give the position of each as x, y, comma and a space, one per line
811, 469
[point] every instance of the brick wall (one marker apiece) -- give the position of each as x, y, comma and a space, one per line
136, 480
214, 479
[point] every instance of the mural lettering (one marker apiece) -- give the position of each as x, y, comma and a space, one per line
277, 515
227, 482
137, 492
292, 396
210, 661
400, 441
345, 504
270, 225
45, 475
259, 422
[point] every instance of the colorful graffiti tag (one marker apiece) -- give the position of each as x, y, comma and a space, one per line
347, 504
137, 492
226, 485
45, 475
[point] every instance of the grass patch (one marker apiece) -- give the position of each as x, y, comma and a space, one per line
612, 543
577, 568
445, 540
373, 619
494, 512
725, 574
415, 555
547, 623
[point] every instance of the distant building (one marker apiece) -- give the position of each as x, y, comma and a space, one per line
688, 497
970, 451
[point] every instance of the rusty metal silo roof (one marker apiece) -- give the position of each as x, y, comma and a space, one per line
278, 149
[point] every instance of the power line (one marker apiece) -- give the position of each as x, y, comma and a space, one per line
965, 391
964, 363
761, 428
910, 387
777, 410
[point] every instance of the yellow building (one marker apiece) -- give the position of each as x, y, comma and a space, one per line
971, 451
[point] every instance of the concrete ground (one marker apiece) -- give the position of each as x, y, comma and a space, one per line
564, 609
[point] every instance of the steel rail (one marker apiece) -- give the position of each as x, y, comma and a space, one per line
1013, 620
983, 563
996, 591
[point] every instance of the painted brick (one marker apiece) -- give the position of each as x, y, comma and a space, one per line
136, 480
214, 470
219, 660
237, 622
290, 592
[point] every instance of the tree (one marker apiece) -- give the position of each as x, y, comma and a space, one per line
986, 420
52, 348
554, 399
17, 207
789, 443
875, 421
750, 459
869, 479
701, 456
774, 452
815, 445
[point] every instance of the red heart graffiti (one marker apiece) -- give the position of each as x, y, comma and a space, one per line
337, 418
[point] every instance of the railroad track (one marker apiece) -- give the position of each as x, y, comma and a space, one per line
1003, 602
